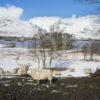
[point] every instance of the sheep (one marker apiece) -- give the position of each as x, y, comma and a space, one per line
1, 72
42, 74
23, 69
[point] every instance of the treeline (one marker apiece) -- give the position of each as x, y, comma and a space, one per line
58, 40
93, 48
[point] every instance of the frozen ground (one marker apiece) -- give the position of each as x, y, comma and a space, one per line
69, 59
8, 57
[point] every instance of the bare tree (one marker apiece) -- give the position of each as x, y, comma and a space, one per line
94, 49
46, 46
42, 48
85, 50
91, 48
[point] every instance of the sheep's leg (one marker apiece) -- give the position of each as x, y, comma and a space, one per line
50, 82
38, 81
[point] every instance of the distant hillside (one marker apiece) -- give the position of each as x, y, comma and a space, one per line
86, 27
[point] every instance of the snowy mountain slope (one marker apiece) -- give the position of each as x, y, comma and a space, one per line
15, 27
81, 27
45, 22
85, 27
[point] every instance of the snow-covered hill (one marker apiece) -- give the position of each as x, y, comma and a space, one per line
81, 27
16, 27
85, 27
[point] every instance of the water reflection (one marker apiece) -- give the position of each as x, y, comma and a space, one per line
28, 44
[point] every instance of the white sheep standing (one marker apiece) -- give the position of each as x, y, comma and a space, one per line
23, 69
42, 74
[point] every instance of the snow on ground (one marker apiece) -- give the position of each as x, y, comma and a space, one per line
76, 61
69, 60
79, 67
8, 57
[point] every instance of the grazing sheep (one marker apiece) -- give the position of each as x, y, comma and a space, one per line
42, 74
23, 69
1, 72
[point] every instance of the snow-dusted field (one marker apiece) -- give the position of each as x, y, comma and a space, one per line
8, 57
70, 60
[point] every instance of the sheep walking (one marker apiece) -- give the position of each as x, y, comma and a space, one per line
23, 69
42, 74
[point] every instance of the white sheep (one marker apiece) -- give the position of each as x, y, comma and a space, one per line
42, 74
23, 69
